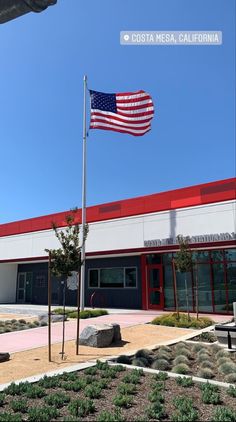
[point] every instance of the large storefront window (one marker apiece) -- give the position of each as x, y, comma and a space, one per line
184, 291
204, 288
118, 277
220, 300
231, 281
169, 301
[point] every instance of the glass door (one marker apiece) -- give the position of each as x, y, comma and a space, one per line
155, 287
21, 287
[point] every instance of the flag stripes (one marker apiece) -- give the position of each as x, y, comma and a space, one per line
129, 112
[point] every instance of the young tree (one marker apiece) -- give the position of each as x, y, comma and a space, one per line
67, 258
183, 262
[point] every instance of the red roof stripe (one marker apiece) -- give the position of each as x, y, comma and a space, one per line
223, 190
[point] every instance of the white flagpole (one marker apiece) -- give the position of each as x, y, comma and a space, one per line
82, 279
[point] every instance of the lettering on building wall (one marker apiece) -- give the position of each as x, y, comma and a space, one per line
204, 238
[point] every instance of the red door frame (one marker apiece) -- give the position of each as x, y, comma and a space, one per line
160, 289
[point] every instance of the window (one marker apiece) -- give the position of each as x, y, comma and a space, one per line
230, 254
118, 277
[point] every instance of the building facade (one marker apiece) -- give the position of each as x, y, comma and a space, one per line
130, 250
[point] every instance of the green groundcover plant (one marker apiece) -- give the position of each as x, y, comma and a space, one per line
182, 321
92, 313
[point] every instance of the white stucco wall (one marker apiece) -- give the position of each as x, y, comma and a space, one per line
130, 232
8, 276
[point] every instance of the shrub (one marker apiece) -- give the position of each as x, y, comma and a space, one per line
155, 396
161, 364
9, 417
36, 323
123, 400
202, 358
7, 330
208, 337
118, 368
207, 364
106, 416
216, 348
224, 414
162, 354
161, 376
206, 373
127, 388
210, 397
158, 385
204, 351
197, 347
43, 324
185, 410
165, 349
34, 392
184, 381
57, 399
155, 411
22, 321
183, 352
49, 382
91, 371
172, 320
181, 344
79, 407
182, 368
231, 378
93, 391
102, 366
221, 354
17, 389
146, 354
131, 379
44, 413
31, 325
220, 361
2, 399
227, 368
124, 359
19, 405
140, 362
231, 391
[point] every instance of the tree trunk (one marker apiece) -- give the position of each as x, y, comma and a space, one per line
175, 289
197, 307
186, 291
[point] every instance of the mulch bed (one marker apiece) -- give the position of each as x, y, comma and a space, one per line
136, 411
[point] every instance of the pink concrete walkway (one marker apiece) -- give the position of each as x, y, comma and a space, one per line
38, 337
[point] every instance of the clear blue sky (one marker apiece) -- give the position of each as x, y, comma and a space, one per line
43, 60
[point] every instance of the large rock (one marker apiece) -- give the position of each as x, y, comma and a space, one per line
97, 335
116, 334
4, 357
54, 318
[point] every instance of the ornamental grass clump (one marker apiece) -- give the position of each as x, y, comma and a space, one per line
210, 394
2, 399
231, 391
58, 399
185, 411
155, 396
155, 411
161, 376
221, 361
144, 354
9, 417
49, 382
127, 388
106, 416
162, 354
44, 413
197, 347
215, 348
161, 364
205, 373
182, 368
140, 362
207, 364
227, 368
231, 378
183, 352
124, 359
202, 358
204, 351
221, 354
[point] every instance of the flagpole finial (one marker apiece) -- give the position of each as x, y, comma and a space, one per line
85, 78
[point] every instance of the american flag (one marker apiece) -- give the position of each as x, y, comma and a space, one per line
126, 112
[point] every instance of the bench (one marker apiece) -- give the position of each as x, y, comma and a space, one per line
229, 329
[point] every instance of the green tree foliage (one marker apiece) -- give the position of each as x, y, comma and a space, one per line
183, 258
67, 258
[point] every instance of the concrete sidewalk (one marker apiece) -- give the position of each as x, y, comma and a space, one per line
19, 341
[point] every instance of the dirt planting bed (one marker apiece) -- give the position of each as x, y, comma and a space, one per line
113, 393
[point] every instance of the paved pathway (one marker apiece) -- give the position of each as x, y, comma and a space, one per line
37, 337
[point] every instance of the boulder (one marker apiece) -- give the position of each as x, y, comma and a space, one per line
54, 318
117, 334
4, 357
97, 335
